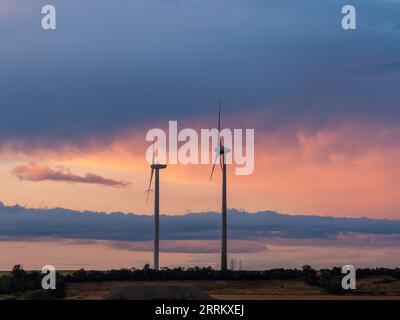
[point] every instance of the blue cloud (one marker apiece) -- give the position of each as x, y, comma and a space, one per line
16, 221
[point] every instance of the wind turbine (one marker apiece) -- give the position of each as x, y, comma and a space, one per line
156, 168
221, 151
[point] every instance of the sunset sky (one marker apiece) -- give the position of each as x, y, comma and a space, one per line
76, 103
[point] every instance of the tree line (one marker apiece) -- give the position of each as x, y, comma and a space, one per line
27, 284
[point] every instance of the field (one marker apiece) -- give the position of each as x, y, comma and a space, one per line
372, 287
202, 283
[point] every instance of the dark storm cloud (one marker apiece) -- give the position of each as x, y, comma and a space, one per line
37, 173
117, 64
16, 221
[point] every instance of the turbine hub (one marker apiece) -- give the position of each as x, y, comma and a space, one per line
222, 150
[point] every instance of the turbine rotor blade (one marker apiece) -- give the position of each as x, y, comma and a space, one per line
220, 143
152, 161
151, 179
219, 116
215, 161
219, 125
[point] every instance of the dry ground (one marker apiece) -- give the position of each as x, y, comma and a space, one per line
373, 287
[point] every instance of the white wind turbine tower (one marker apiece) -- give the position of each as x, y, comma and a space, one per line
156, 168
221, 151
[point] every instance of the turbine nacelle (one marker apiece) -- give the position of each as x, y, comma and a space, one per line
158, 166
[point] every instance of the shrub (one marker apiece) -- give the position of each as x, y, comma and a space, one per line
38, 295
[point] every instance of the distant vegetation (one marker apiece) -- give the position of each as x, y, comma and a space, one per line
331, 279
27, 285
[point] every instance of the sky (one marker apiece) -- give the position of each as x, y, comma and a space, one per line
76, 103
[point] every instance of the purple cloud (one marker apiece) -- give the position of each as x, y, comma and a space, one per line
36, 173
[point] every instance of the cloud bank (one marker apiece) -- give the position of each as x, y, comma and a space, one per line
16, 221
